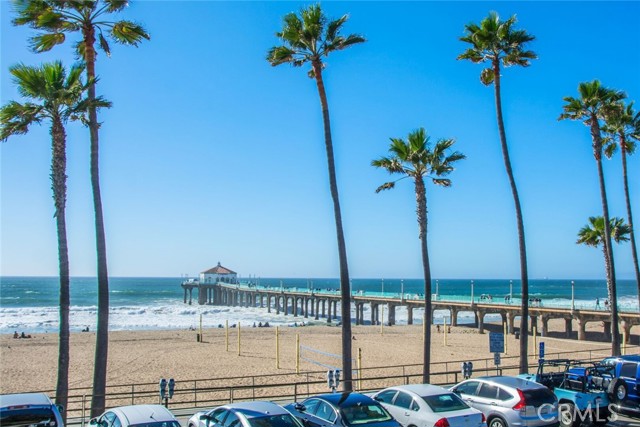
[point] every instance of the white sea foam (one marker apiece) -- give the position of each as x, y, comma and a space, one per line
181, 316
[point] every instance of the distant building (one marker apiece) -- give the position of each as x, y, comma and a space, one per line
218, 274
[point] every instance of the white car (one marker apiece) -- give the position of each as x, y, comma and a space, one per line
245, 414
136, 416
424, 405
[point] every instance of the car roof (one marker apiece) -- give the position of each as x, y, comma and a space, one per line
24, 399
421, 389
628, 358
256, 409
345, 399
514, 382
139, 414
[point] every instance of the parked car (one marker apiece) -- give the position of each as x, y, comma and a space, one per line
342, 409
136, 416
245, 414
29, 409
581, 389
624, 388
424, 405
510, 401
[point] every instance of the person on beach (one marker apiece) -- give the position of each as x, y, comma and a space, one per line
15, 334
597, 303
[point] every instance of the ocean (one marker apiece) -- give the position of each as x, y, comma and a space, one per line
30, 304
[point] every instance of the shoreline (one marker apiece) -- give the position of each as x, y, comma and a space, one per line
137, 357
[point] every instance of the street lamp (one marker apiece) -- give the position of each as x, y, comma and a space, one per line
472, 292
573, 304
510, 290
437, 289
401, 289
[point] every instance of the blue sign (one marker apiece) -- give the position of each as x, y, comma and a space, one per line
496, 342
541, 350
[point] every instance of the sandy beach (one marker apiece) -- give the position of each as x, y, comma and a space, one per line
137, 357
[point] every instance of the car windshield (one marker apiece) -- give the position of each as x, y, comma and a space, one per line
445, 402
361, 414
28, 417
157, 424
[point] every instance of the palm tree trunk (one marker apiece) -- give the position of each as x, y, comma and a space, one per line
634, 252
102, 330
345, 286
524, 276
421, 210
611, 271
59, 185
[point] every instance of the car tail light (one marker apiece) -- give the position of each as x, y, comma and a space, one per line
522, 404
484, 419
442, 422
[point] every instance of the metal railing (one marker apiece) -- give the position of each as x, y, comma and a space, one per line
289, 387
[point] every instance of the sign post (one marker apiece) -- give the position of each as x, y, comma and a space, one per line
496, 346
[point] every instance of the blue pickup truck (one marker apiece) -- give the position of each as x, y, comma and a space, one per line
624, 387
581, 389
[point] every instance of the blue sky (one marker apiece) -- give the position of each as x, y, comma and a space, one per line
210, 154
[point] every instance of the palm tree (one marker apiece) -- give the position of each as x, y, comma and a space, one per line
496, 42
416, 159
594, 103
593, 234
623, 123
307, 39
55, 97
91, 18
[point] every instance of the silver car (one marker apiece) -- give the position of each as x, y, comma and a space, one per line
424, 405
136, 416
245, 414
510, 401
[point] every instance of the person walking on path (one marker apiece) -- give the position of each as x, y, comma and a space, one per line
597, 303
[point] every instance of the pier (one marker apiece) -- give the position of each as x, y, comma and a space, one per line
317, 304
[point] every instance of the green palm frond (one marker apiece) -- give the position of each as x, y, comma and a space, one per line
15, 118
56, 17
309, 36
46, 42
416, 158
595, 101
53, 93
116, 5
495, 41
127, 32
386, 186
593, 233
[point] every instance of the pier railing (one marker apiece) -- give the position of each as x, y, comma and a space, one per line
412, 296
290, 387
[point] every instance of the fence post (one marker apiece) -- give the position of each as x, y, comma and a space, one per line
133, 393
84, 407
295, 392
231, 395
195, 393
253, 387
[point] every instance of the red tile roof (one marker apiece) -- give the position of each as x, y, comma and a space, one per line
218, 269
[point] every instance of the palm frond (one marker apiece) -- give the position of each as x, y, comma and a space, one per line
15, 118
127, 32
386, 186
46, 41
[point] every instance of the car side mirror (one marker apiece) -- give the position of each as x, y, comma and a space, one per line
377, 398
455, 391
300, 407
93, 422
204, 417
